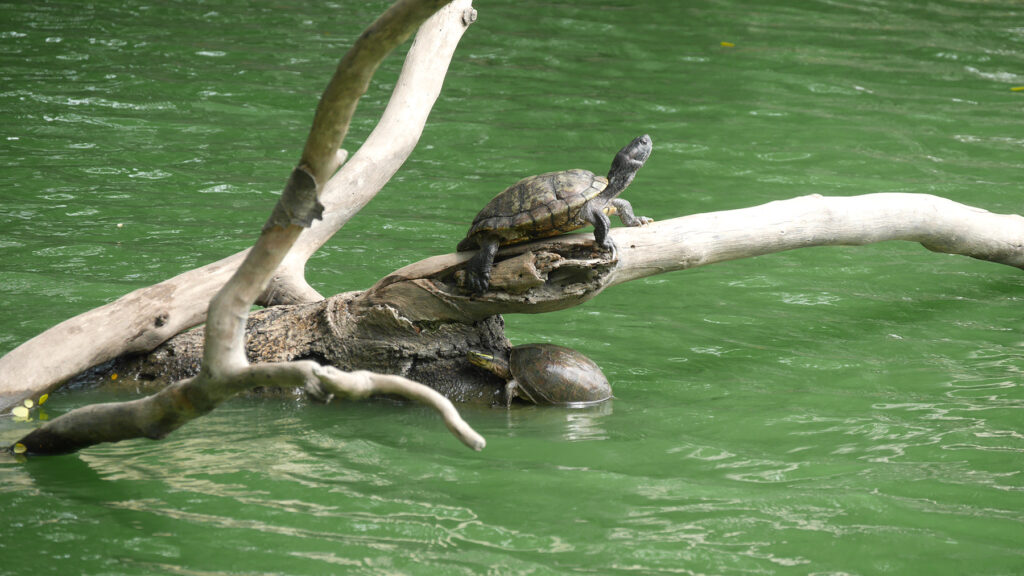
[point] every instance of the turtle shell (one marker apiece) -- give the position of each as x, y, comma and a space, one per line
550, 374
536, 207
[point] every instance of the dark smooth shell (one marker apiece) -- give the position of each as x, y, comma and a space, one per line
537, 207
551, 374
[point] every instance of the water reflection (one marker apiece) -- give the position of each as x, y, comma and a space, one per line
572, 424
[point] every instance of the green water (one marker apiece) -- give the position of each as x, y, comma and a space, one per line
822, 411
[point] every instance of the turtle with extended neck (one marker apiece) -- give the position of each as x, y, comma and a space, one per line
551, 204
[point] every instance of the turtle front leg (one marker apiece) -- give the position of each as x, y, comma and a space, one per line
599, 219
625, 211
478, 270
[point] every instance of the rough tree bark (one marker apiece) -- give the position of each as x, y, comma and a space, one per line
225, 370
141, 320
419, 323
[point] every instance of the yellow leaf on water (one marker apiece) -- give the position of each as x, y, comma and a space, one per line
728, 44
43, 399
20, 448
29, 403
20, 412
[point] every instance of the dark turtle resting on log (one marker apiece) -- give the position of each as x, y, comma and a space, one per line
551, 204
547, 374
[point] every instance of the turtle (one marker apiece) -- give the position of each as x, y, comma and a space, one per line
546, 374
551, 204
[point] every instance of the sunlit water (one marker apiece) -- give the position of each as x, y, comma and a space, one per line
822, 411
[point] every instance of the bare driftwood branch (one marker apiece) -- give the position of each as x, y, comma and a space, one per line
141, 320
225, 370
564, 271
419, 323
383, 152
160, 414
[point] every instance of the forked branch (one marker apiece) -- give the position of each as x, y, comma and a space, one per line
141, 320
225, 370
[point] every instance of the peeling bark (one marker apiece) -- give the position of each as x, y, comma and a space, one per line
344, 331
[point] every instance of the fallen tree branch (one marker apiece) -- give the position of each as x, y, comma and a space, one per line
156, 416
418, 321
564, 271
939, 224
141, 320
383, 152
225, 370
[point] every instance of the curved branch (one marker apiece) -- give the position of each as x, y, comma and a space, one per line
565, 271
225, 370
141, 320
387, 147
362, 384
351, 79
156, 416
939, 224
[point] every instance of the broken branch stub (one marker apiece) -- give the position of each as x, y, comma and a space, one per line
299, 204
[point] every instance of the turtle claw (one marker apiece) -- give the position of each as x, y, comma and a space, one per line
477, 285
473, 282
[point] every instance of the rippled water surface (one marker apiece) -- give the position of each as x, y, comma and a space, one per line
823, 411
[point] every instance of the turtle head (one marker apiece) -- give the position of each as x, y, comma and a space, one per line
636, 152
630, 159
493, 363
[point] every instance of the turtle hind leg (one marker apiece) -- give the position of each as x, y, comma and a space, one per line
478, 270
511, 391
625, 211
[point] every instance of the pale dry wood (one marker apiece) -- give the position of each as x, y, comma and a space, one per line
141, 320
362, 384
391, 142
156, 416
939, 224
225, 370
136, 322
574, 271
419, 322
